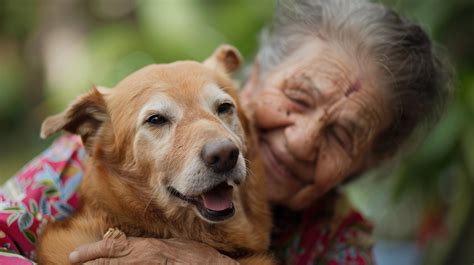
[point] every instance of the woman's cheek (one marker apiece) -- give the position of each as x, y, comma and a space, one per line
270, 111
333, 167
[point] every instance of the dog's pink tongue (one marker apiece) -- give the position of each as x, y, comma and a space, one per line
219, 198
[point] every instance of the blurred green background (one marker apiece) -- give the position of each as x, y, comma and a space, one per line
52, 51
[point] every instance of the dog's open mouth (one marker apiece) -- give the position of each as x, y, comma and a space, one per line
215, 205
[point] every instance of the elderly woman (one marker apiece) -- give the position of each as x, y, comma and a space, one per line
337, 87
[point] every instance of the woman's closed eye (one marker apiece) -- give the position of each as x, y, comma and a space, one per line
300, 89
342, 136
299, 96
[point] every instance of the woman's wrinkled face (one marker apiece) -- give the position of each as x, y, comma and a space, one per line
318, 114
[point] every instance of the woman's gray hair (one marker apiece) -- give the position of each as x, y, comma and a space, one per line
419, 83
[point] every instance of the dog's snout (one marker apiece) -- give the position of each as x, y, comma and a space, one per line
220, 155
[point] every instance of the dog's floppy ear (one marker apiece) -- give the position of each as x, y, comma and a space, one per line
83, 117
225, 58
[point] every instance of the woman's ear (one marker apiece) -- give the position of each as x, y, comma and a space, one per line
225, 58
84, 116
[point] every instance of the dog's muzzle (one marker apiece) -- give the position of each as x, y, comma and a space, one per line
214, 196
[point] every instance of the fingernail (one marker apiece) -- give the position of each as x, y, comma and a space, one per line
74, 257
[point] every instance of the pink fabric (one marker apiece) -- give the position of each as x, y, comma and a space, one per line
42, 191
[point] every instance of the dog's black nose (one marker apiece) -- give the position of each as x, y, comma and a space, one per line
220, 155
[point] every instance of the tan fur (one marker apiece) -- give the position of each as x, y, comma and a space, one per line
124, 171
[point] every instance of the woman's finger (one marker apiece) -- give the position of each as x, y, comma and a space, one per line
105, 261
102, 262
106, 248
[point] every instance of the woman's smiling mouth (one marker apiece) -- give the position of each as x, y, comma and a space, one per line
277, 169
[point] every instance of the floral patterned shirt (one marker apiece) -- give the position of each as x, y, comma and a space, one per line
44, 190
329, 232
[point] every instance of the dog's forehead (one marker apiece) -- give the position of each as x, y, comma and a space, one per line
182, 81
201, 96
178, 74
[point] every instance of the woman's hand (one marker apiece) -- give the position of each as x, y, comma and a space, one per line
147, 251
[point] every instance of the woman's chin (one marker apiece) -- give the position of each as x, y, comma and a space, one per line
280, 184
277, 194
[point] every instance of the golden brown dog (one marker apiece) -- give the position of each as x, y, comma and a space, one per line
170, 155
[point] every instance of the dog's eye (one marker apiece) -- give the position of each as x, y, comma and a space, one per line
225, 108
157, 119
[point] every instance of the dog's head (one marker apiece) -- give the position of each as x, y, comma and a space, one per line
173, 132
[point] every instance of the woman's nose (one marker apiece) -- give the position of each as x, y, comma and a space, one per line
303, 139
